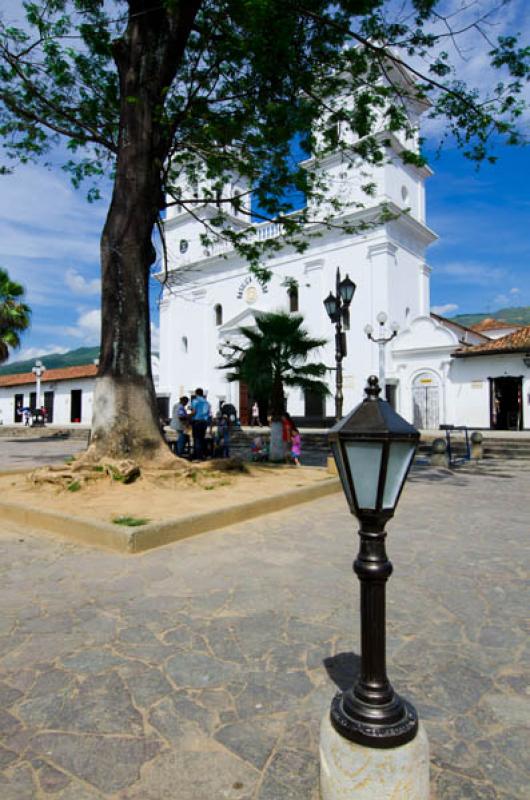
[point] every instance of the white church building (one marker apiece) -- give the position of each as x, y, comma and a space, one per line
437, 372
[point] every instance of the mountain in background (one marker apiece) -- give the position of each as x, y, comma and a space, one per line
74, 358
519, 316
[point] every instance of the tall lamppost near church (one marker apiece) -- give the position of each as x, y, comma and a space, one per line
382, 340
338, 309
38, 371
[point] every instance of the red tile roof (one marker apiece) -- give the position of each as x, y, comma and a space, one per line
65, 374
516, 342
491, 324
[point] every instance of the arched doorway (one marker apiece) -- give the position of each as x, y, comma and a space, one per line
426, 401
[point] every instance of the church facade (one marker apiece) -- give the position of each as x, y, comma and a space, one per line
431, 375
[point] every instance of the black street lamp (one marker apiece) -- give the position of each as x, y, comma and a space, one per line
338, 310
373, 448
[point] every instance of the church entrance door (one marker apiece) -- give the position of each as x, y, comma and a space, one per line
244, 410
506, 403
426, 401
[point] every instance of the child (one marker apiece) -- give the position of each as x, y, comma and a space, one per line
296, 445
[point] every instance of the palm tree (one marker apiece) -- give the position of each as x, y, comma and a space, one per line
14, 314
275, 357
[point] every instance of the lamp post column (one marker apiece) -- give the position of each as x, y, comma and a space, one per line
38, 371
371, 713
373, 569
337, 307
382, 366
339, 355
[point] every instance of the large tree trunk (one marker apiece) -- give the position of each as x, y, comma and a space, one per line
125, 419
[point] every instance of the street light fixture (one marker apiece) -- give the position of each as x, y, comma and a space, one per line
373, 449
382, 340
38, 371
338, 310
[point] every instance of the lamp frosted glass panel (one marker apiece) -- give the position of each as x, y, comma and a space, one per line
364, 459
398, 463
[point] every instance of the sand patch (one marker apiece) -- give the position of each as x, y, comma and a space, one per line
159, 496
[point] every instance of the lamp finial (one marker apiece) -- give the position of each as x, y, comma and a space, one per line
372, 390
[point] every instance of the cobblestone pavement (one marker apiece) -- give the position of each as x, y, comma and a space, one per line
200, 671
36, 451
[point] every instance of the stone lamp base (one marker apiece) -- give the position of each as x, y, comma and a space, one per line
349, 771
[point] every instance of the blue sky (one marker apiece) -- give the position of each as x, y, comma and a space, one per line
481, 261
49, 234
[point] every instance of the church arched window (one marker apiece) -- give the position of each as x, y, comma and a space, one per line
292, 293
184, 344
218, 311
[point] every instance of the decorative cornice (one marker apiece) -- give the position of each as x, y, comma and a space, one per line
313, 266
382, 249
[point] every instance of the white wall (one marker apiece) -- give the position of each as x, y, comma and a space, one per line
464, 392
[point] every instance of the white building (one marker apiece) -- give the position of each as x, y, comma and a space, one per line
65, 393
431, 376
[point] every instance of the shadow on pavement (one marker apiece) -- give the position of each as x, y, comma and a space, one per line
343, 669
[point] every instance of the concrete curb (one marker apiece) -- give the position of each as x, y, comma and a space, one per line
156, 534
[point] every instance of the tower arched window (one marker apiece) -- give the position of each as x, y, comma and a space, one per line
293, 298
218, 311
184, 344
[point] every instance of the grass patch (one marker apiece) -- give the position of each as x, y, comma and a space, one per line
74, 486
131, 522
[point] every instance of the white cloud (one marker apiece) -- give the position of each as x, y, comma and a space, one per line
88, 327
501, 300
80, 285
471, 273
445, 309
515, 291
27, 353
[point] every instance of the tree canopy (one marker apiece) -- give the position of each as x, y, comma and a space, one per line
239, 81
172, 99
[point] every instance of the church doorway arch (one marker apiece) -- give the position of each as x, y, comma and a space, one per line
426, 400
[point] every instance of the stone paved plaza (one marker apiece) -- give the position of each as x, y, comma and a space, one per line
37, 450
200, 671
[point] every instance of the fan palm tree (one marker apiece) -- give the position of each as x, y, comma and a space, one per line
14, 314
276, 356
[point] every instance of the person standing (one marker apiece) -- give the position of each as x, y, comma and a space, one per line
180, 424
296, 445
255, 414
287, 427
223, 434
201, 415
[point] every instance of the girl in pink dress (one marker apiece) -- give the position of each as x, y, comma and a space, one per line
296, 445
